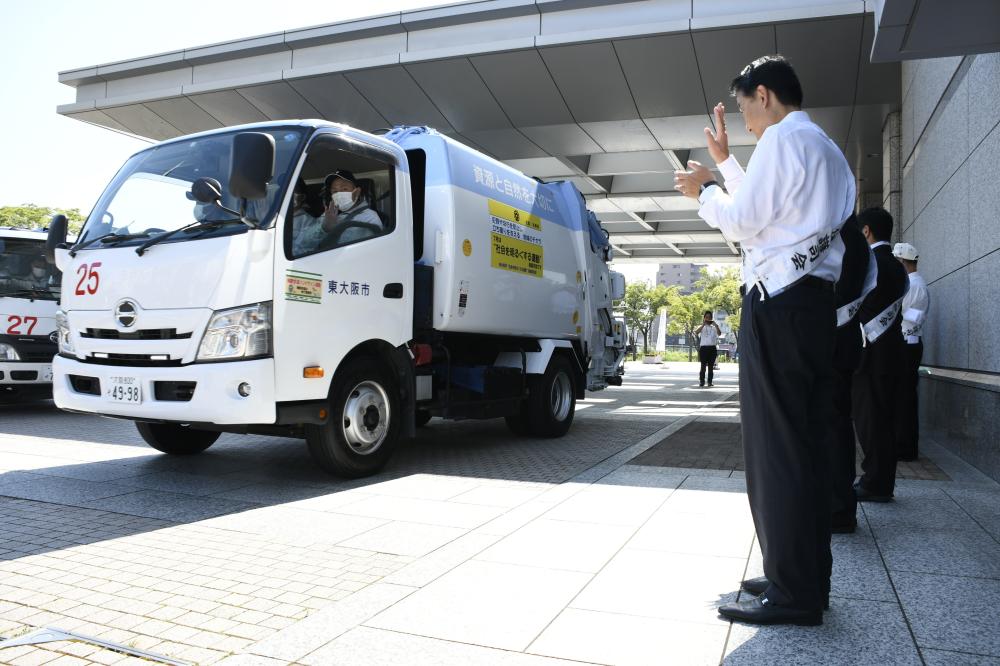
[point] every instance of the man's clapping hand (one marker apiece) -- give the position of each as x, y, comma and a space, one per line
718, 141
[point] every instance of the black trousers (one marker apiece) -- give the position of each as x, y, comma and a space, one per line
707, 355
907, 426
786, 387
843, 459
874, 404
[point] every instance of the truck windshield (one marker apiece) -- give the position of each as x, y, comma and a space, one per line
24, 273
151, 193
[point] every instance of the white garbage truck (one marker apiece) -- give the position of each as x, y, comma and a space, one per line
308, 279
29, 295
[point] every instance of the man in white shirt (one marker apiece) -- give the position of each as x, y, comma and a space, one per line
786, 211
708, 347
915, 305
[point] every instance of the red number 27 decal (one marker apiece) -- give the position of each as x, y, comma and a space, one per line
90, 280
14, 325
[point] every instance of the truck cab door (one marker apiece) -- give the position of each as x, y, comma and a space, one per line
338, 285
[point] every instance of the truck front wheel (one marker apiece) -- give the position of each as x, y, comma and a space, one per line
551, 400
175, 438
359, 437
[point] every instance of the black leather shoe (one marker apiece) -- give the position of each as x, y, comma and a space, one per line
862, 494
757, 587
759, 610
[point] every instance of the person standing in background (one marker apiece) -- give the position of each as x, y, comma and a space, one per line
708, 347
915, 306
872, 391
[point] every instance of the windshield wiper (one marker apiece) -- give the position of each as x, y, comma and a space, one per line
198, 226
107, 238
27, 293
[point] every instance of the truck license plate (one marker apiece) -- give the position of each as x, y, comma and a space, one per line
124, 389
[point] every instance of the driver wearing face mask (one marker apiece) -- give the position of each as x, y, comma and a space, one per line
36, 279
348, 217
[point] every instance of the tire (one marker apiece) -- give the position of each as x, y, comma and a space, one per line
518, 423
422, 418
551, 400
363, 429
176, 439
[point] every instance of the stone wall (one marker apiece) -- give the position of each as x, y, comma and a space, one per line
950, 210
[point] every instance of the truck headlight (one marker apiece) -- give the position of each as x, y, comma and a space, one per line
62, 333
237, 333
8, 353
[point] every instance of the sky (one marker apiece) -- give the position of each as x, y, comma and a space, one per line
51, 160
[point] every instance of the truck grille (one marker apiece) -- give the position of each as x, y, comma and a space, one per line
137, 360
38, 356
144, 334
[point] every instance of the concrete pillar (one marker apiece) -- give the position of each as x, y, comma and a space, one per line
892, 171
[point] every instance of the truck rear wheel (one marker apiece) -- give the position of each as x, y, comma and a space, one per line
363, 429
551, 403
176, 439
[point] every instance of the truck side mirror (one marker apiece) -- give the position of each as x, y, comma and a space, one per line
206, 190
56, 238
252, 166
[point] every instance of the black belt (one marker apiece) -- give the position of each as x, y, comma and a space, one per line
814, 282
808, 282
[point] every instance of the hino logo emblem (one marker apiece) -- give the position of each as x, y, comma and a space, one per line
54, 337
125, 313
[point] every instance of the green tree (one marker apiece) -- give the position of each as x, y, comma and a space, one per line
721, 291
686, 314
32, 216
641, 305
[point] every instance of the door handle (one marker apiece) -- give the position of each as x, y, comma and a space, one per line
393, 290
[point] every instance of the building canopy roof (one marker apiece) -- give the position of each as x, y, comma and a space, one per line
610, 95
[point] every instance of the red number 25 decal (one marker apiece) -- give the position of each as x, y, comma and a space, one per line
90, 280
15, 322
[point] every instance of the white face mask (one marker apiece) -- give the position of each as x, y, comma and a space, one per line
38, 272
343, 200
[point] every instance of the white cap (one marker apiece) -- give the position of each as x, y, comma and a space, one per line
905, 251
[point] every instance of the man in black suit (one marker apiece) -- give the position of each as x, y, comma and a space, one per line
881, 358
857, 279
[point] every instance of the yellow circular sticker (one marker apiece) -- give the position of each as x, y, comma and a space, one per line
467, 247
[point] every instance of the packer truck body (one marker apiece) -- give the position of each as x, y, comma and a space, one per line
305, 278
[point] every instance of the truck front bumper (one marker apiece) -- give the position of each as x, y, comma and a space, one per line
197, 393
27, 380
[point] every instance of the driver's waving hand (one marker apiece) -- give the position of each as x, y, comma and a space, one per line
348, 216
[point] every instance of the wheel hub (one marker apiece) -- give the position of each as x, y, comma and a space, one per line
562, 396
366, 417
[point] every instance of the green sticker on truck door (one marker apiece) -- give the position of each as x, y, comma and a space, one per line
303, 287
515, 240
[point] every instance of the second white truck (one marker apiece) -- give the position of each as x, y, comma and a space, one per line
304, 278
29, 295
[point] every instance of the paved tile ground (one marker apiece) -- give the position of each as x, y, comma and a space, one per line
473, 547
711, 443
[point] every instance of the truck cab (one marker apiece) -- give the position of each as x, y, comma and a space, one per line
308, 279
29, 299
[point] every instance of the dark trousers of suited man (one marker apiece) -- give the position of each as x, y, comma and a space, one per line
858, 278
907, 426
786, 390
